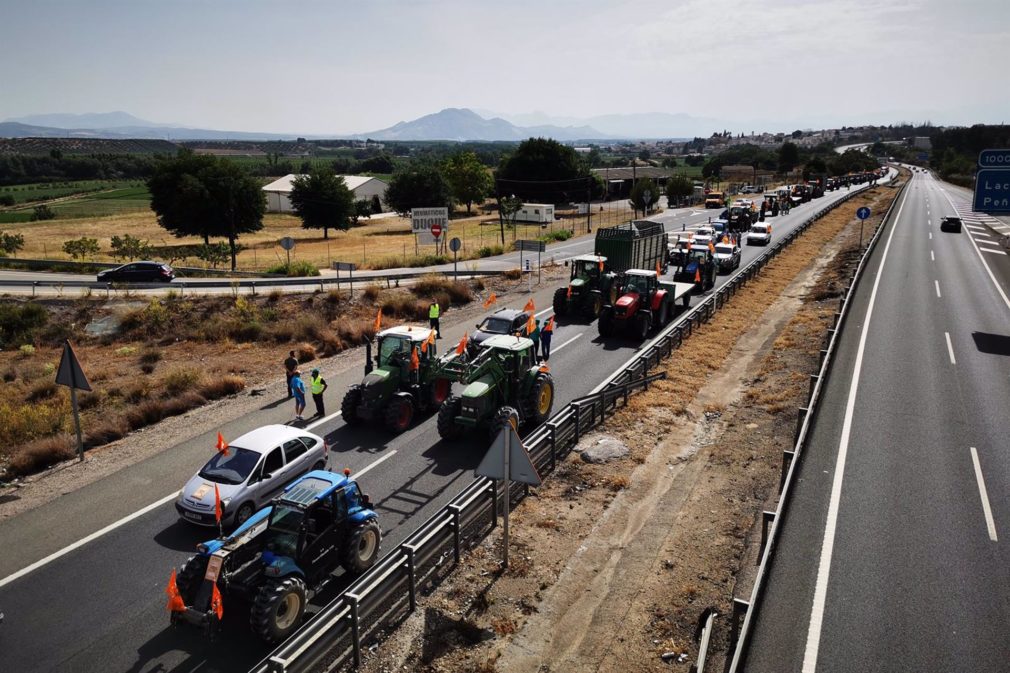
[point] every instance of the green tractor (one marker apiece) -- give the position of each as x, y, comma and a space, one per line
588, 290
393, 391
504, 384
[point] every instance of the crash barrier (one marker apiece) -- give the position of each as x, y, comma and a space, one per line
387, 593
87, 267
792, 458
704, 637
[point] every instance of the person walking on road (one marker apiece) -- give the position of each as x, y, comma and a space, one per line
433, 312
545, 339
318, 386
290, 365
534, 336
298, 388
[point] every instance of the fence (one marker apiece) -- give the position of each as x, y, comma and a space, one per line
387, 593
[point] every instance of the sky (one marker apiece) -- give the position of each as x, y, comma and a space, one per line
335, 66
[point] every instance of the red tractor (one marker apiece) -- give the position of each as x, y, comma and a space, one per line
644, 302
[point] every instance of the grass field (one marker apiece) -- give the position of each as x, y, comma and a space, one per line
41, 191
114, 198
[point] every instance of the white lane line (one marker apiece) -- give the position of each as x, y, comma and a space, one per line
989, 523
931, 235
546, 310
555, 350
85, 540
378, 461
316, 424
950, 349
984, 263
975, 227
828, 544
937, 284
993, 251
932, 257
929, 222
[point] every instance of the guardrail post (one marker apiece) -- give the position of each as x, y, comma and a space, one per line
766, 518
578, 421
494, 503
814, 378
787, 461
740, 608
822, 358
552, 434
835, 319
800, 417
355, 628
411, 576
455, 509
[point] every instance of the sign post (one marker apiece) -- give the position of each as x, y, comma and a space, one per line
288, 244
508, 461
646, 195
425, 222
71, 375
863, 214
454, 245
992, 182
345, 266
531, 245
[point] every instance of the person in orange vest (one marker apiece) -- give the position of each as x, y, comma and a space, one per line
545, 339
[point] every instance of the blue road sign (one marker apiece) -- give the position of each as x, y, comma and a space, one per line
992, 191
863, 213
994, 159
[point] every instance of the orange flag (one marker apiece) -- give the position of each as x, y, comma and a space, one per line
217, 505
430, 341
549, 327
415, 362
222, 446
568, 295
175, 603
658, 272
461, 348
600, 264
697, 275
378, 321
530, 325
530, 306
490, 300
216, 604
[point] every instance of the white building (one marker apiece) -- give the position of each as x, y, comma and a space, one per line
362, 186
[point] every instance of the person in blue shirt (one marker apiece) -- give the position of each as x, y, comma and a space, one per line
298, 389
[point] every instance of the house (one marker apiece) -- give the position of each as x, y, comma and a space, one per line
362, 186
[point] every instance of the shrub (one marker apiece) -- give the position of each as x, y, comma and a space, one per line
136, 393
105, 431
181, 380
86, 400
334, 297
556, 235
513, 274
355, 332
490, 251
404, 305
19, 322
372, 292
299, 268
43, 212
221, 386
82, 248
305, 352
21, 423
26, 350
150, 356
127, 350
147, 369
43, 390
274, 295
10, 243
40, 454
10, 376
439, 286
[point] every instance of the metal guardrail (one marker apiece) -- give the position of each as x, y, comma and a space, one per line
792, 458
387, 593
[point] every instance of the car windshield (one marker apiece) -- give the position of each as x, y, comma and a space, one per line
698, 255
496, 325
758, 229
233, 468
588, 268
724, 249
285, 519
392, 346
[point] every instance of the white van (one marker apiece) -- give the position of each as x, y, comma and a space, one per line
760, 233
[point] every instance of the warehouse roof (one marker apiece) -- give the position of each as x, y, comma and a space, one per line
283, 185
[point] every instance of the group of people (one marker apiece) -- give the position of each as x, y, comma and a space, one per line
296, 387
541, 338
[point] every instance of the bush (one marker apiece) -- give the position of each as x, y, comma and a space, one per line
20, 322
435, 285
43, 212
40, 454
490, 251
372, 292
150, 356
305, 352
21, 423
26, 350
556, 235
222, 386
105, 431
81, 248
10, 243
181, 380
513, 274
404, 305
127, 350
299, 268
43, 390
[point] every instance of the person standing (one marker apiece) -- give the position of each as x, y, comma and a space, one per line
433, 312
298, 388
318, 385
534, 336
290, 365
545, 339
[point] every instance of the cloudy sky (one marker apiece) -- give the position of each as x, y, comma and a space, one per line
341, 66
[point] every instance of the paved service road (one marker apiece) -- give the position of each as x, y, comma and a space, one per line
96, 602
893, 555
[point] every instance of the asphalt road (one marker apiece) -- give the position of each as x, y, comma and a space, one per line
96, 601
893, 556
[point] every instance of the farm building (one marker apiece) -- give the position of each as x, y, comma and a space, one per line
362, 186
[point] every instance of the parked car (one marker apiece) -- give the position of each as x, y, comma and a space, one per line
138, 272
503, 321
249, 473
760, 234
727, 257
952, 224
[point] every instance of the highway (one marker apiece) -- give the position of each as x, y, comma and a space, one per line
893, 554
82, 578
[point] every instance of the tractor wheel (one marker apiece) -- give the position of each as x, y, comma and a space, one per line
440, 390
277, 609
506, 416
664, 316
642, 324
561, 302
190, 577
349, 407
362, 549
592, 305
398, 414
606, 322
540, 400
448, 428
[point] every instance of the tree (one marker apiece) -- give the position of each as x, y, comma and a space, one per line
382, 163
789, 157
669, 162
10, 243
323, 201
468, 179
130, 247
543, 171
507, 209
7, 200
678, 187
362, 208
420, 186
81, 248
43, 212
644, 155
815, 166
213, 254
638, 198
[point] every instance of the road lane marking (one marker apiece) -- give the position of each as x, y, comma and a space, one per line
931, 235
937, 283
932, 257
555, 350
546, 310
986, 510
950, 349
357, 475
827, 546
993, 251
321, 421
85, 540
985, 264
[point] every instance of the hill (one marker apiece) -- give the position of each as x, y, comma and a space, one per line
463, 124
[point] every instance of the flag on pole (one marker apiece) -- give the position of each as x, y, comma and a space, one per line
658, 272
530, 306
221, 446
490, 300
568, 295
530, 325
378, 321
461, 348
697, 275
217, 505
549, 327
415, 362
599, 263
430, 341
216, 604
175, 602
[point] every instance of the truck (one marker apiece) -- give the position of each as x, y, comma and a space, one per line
641, 244
645, 303
715, 200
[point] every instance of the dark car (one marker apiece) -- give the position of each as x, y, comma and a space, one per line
138, 272
504, 321
951, 224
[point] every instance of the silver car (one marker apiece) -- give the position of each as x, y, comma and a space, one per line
258, 465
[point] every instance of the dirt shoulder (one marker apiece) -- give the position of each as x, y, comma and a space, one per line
614, 563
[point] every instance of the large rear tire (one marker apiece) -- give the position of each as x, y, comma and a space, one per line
399, 414
190, 577
349, 406
561, 302
502, 418
606, 322
440, 391
592, 305
664, 316
278, 609
362, 547
540, 400
448, 428
642, 324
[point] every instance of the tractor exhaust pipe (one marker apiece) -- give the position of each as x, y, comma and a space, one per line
368, 357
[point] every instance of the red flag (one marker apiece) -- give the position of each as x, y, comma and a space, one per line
378, 321
490, 300
415, 362
568, 295
216, 604
175, 602
222, 446
697, 275
530, 306
658, 272
600, 264
217, 505
461, 348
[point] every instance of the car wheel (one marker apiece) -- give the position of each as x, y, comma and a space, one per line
243, 513
320, 465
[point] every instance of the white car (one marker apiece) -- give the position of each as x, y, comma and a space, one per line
257, 466
760, 234
705, 230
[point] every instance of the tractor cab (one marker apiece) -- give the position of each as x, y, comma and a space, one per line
586, 268
637, 281
395, 344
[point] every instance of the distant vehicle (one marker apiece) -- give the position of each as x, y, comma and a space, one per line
704, 230
759, 234
503, 321
952, 224
540, 213
138, 272
749, 189
727, 257
254, 469
715, 200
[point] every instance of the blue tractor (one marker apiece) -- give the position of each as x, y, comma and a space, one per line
281, 556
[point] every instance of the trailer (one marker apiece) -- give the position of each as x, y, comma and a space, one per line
539, 213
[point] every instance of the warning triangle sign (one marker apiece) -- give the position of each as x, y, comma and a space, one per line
520, 467
70, 373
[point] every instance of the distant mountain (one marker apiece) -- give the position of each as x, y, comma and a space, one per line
637, 125
11, 129
459, 124
88, 120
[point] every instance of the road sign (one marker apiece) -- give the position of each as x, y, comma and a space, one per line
992, 191
994, 158
455, 244
436, 230
71, 375
287, 243
531, 245
863, 213
422, 220
507, 460
344, 266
